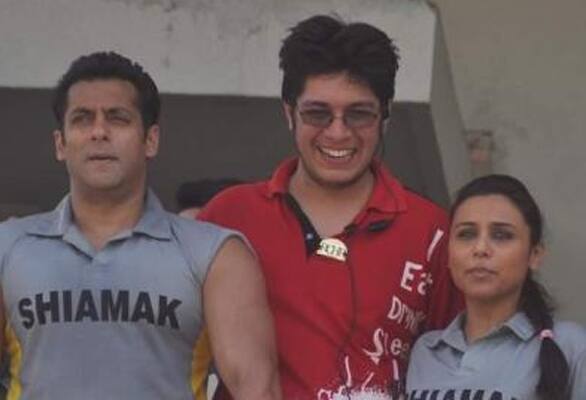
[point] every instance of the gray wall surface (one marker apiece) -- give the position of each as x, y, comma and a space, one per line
519, 70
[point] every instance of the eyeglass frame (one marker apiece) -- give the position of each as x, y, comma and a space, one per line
303, 114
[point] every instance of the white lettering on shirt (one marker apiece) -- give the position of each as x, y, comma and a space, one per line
405, 316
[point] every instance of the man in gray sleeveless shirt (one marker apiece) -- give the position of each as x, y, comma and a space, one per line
105, 297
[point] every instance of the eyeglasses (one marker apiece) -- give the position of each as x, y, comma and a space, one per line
354, 118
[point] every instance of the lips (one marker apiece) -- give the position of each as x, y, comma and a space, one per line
480, 272
102, 157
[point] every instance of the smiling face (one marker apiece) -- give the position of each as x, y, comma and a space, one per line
103, 143
335, 154
490, 250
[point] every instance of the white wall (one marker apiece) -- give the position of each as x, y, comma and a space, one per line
519, 69
196, 46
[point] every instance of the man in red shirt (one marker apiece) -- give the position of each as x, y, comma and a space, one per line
354, 263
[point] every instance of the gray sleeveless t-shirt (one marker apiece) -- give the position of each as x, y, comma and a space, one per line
125, 322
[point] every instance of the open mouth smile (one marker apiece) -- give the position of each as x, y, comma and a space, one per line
337, 154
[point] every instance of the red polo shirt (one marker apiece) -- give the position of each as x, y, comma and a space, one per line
346, 326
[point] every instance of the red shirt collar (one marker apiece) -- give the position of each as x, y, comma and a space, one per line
388, 195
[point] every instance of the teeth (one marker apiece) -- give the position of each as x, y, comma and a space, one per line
336, 153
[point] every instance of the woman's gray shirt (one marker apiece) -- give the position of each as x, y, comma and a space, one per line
503, 365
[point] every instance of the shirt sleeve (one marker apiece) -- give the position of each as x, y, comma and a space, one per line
9, 233
220, 211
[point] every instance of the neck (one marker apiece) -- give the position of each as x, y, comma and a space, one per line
100, 216
482, 317
330, 208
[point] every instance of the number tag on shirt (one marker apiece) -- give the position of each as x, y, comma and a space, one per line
333, 248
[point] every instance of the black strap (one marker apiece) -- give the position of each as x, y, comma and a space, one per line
310, 235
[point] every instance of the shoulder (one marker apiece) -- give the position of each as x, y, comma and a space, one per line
9, 232
14, 231
422, 219
423, 348
246, 192
405, 199
201, 241
424, 207
188, 229
571, 337
237, 204
428, 339
14, 228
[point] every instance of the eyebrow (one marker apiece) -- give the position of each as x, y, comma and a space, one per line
464, 224
502, 225
85, 110
317, 103
497, 224
80, 110
118, 110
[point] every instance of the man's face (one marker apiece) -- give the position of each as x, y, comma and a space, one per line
103, 142
335, 152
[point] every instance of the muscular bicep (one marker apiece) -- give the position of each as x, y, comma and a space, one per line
240, 324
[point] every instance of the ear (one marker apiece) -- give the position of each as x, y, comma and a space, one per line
387, 121
385, 126
152, 141
59, 140
289, 114
536, 257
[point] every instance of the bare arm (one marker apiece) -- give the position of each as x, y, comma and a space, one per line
240, 324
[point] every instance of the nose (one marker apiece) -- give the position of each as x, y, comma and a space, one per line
337, 129
482, 247
100, 129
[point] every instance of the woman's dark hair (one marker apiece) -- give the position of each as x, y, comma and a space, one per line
109, 65
324, 44
535, 302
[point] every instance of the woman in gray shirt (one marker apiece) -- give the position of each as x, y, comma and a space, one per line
506, 345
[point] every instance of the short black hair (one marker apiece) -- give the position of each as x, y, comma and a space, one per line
325, 44
109, 65
198, 193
